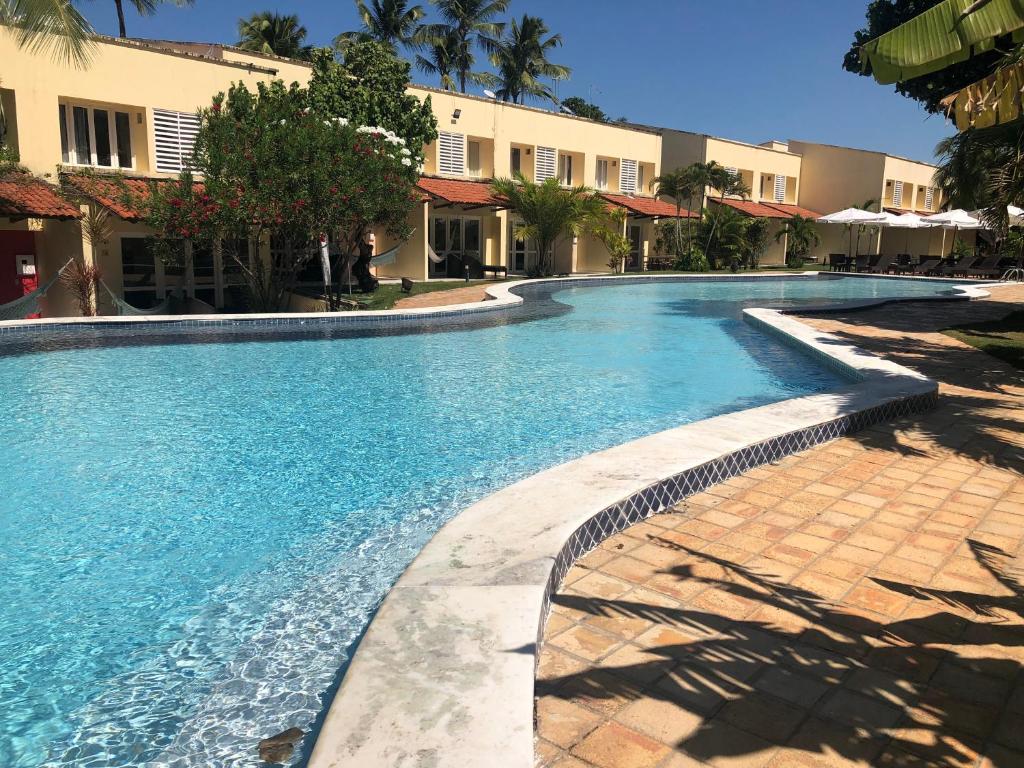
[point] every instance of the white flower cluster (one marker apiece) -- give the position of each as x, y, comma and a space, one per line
389, 136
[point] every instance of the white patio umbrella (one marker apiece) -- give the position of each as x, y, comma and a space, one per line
955, 219
1016, 215
853, 216
907, 221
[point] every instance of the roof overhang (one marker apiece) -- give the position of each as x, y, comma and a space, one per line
115, 193
766, 210
23, 196
646, 207
470, 195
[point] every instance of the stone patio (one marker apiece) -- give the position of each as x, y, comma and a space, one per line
861, 603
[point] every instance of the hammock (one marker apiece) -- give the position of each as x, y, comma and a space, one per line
28, 304
432, 255
124, 308
388, 257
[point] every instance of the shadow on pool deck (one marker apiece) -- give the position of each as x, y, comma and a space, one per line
861, 603
828, 681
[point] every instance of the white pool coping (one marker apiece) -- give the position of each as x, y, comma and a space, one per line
499, 296
445, 673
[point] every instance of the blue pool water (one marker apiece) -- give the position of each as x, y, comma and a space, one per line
193, 534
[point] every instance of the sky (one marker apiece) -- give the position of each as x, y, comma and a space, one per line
750, 70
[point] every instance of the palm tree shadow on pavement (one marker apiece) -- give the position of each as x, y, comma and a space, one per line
821, 680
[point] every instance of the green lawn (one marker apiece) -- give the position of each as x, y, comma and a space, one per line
1000, 338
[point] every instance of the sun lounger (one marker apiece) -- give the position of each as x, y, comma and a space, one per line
926, 267
881, 266
989, 268
959, 268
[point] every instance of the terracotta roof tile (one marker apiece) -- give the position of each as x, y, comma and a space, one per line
23, 196
647, 206
795, 210
458, 192
768, 210
109, 192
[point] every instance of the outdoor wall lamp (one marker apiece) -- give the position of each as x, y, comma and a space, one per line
456, 114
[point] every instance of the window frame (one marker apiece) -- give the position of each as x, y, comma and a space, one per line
601, 180
473, 145
69, 136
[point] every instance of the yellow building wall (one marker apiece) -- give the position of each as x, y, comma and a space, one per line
506, 124
122, 74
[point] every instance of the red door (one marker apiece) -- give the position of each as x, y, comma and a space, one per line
14, 284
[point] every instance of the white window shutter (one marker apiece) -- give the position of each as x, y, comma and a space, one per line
175, 137
545, 164
627, 177
780, 188
452, 147
897, 194
929, 198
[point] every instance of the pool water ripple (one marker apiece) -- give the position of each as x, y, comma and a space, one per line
195, 534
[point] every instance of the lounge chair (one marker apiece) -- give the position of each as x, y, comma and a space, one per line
881, 265
989, 268
902, 265
958, 268
838, 262
862, 261
926, 267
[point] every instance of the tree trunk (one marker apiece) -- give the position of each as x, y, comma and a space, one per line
122, 30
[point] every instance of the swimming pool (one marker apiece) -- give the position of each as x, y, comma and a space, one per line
195, 533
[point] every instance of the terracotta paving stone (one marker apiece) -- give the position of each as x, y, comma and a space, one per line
861, 603
615, 746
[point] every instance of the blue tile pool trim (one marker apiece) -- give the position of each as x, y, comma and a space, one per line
662, 495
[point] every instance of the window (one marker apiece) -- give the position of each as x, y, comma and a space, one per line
123, 131
516, 160
929, 198
452, 148
780, 188
628, 177
897, 194
601, 175
175, 135
95, 137
565, 169
639, 179
473, 157
545, 163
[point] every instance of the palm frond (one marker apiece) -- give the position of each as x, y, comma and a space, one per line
53, 27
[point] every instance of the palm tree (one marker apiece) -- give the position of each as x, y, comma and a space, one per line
680, 185
468, 24
53, 26
731, 242
144, 8
391, 22
521, 60
801, 236
867, 205
727, 183
548, 212
436, 59
275, 34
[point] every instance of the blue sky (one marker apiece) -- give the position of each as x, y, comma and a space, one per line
743, 69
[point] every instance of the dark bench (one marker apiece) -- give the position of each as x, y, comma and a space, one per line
494, 269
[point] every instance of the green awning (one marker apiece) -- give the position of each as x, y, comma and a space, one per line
939, 37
